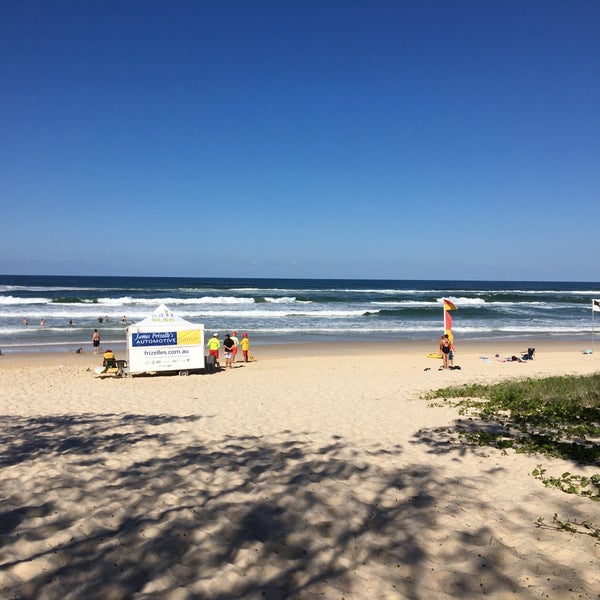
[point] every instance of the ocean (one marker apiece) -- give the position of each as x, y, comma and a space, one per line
275, 311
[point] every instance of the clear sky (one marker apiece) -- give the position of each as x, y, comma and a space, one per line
315, 138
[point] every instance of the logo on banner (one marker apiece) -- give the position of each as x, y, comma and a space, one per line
154, 338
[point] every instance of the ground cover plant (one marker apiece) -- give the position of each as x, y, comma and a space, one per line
554, 416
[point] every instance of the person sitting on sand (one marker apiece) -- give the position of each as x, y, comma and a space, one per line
108, 360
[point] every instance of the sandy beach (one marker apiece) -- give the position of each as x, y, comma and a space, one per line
318, 471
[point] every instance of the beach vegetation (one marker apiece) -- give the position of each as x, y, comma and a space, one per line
571, 526
555, 416
570, 483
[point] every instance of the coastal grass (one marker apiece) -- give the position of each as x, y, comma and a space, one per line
553, 416
557, 416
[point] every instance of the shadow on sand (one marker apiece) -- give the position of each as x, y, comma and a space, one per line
128, 506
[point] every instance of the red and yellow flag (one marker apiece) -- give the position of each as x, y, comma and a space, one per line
447, 322
449, 305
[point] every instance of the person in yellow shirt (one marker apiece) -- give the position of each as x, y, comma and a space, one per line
213, 346
108, 360
245, 344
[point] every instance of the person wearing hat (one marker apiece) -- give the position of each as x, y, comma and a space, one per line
213, 346
108, 360
245, 346
236, 343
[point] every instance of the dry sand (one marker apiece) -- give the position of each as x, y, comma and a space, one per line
316, 472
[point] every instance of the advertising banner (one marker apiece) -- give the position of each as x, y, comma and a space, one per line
164, 342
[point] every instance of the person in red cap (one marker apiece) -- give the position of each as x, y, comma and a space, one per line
245, 346
236, 343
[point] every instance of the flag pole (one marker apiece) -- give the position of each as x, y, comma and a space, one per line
595, 308
444, 315
593, 311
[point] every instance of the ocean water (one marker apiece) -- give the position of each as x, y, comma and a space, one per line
276, 311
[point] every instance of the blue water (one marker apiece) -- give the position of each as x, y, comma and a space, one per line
290, 310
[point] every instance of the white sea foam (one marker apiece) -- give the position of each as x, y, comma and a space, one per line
406, 303
127, 301
12, 300
462, 301
40, 288
281, 300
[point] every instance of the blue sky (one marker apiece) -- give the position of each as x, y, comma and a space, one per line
315, 138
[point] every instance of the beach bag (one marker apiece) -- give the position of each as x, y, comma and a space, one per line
210, 364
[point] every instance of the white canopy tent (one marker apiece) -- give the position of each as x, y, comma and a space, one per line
164, 342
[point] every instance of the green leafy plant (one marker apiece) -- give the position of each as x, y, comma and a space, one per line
571, 526
555, 416
571, 484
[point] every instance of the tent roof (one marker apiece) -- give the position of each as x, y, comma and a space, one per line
163, 316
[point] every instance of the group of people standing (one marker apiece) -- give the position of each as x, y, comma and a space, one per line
231, 343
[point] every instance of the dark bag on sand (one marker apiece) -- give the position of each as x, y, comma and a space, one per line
210, 364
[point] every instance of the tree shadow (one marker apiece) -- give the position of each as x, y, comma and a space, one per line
27, 439
148, 507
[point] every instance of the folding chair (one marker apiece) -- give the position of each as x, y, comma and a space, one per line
528, 355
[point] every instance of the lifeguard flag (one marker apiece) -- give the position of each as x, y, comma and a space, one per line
449, 305
447, 318
447, 321
596, 305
